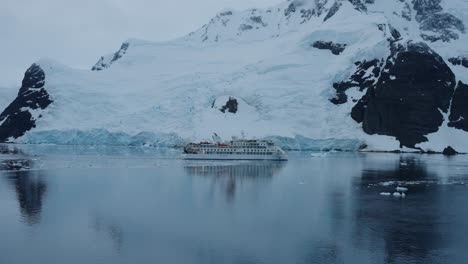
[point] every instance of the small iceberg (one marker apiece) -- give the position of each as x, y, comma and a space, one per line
401, 189
319, 155
399, 195
385, 194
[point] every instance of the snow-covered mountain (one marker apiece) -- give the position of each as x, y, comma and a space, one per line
310, 74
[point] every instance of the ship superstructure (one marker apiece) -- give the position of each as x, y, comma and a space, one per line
235, 149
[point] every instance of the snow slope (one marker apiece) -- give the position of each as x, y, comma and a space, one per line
172, 92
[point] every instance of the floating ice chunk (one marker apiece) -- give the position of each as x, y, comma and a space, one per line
387, 183
403, 164
385, 194
397, 194
403, 195
319, 155
401, 189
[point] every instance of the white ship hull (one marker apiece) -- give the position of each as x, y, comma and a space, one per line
277, 157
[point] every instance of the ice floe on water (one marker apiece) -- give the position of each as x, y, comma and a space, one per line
397, 194
401, 189
424, 182
319, 154
401, 192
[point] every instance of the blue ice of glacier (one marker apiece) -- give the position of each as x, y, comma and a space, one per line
304, 143
102, 137
95, 137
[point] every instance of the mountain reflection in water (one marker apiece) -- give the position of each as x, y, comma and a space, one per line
136, 207
29, 185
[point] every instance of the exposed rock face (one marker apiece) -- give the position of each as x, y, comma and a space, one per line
335, 48
407, 12
361, 79
430, 15
245, 27
258, 20
463, 61
459, 110
291, 9
230, 106
18, 118
359, 5
335, 7
106, 62
449, 151
405, 102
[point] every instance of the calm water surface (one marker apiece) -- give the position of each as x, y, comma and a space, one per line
133, 205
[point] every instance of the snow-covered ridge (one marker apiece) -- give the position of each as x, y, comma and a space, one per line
311, 74
431, 21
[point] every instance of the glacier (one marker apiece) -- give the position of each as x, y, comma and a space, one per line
170, 93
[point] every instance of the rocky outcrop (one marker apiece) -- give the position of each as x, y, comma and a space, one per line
449, 151
432, 18
366, 74
334, 8
20, 116
358, 5
230, 106
335, 48
407, 12
459, 110
406, 102
463, 61
106, 62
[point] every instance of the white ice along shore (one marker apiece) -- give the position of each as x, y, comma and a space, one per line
310, 74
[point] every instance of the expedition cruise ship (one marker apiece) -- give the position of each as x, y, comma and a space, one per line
234, 150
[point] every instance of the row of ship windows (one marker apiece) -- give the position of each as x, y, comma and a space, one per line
230, 150
250, 147
245, 153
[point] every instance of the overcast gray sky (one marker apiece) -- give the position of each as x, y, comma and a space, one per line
78, 32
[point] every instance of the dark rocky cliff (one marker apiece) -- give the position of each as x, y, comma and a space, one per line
17, 118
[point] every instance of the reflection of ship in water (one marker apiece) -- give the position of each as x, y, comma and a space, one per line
231, 174
253, 169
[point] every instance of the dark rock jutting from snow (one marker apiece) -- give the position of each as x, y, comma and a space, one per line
231, 106
430, 15
17, 119
360, 79
459, 110
463, 61
335, 48
405, 102
334, 8
103, 64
